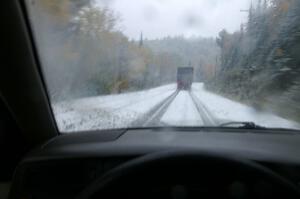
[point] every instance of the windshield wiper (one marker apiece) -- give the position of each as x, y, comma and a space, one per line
242, 125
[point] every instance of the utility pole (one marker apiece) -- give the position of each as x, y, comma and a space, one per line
216, 66
141, 40
244, 10
242, 25
247, 10
265, 6
250, 14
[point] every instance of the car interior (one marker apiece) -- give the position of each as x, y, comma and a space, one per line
37, 161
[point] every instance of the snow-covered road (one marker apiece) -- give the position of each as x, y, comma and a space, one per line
123, 110
182, 112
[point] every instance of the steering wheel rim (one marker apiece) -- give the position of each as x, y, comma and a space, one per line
125, 172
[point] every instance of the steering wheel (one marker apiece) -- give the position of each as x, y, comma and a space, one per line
174, 174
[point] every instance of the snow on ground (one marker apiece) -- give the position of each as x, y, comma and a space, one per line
106, 112
226, 110
121, 110
182, 112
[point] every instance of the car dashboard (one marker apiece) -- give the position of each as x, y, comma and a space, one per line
65, 165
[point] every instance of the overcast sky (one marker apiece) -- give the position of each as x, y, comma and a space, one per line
160, 18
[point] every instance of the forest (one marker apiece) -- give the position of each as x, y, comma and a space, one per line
200, 53
260, 64
84, 52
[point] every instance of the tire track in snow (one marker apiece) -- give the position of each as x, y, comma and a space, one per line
207, 117
182, 112
153, 117
138, 100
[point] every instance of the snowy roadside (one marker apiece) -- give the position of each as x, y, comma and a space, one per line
225, 110
106, 112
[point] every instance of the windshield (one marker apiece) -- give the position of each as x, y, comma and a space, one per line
111, 64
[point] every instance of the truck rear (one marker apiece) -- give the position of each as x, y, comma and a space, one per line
185, 78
